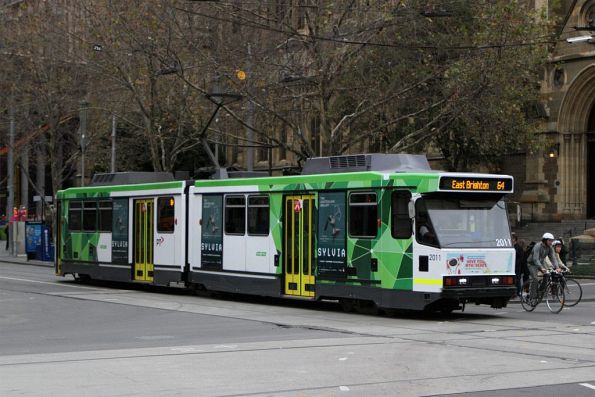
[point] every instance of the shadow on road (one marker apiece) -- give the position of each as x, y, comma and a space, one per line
320, 306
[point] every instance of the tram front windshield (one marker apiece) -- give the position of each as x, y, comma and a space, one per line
462, 223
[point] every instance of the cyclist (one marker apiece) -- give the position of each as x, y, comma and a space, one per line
557, 244
542, 250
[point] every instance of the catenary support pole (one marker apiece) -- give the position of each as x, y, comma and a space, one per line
10, 161
83, 137
113, 168
250, 119
24, 179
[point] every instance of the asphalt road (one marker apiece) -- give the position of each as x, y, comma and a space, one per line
61, 338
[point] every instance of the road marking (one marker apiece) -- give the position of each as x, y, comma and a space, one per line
343, 388
226, 346
155, 337
343, 359
186, 350
587, 385
543, 362
46, 282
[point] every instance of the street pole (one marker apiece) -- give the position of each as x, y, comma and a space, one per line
10, 161
40, 174
250, 120
113, 169
24, 178
83, 132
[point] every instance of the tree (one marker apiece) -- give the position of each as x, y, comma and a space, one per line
397, 75
322, 78
46, 87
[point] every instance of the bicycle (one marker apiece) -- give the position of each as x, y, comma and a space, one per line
573, 292
550, 287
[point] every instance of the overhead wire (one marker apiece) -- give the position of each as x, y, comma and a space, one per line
537, 41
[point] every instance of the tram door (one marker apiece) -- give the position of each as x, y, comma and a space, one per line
59, 251
298, 256
143, 240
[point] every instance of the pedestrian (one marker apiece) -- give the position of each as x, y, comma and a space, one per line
520, 262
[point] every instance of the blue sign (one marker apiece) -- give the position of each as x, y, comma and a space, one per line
47, 252
32, 237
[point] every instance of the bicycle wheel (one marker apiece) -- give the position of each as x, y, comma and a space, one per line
554, 297
528, 302
573, 292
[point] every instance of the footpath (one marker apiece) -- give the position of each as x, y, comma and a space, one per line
6, 257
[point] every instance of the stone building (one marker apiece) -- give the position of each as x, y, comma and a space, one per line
559, 181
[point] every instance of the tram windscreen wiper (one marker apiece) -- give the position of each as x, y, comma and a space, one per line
479, 204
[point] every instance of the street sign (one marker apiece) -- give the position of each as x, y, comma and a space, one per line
46, 199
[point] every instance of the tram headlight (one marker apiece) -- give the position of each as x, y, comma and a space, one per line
462, 281
495, 281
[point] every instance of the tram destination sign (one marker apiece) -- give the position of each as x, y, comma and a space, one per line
475, 184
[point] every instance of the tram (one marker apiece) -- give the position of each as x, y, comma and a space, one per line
381, 228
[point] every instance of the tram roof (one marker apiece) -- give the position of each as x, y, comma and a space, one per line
92, 191
421, 182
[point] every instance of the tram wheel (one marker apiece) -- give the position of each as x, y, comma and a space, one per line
347, 304
82, 278
366, 307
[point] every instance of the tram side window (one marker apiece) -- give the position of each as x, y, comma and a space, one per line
235, 215
258, 215
402, 226
363, 215
89, 216
75, 215
165, 214
105, 216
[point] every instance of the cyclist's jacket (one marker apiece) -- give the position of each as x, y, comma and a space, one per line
539, 253
561, 264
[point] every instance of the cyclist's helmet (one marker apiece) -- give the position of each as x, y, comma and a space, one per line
547, 236
556, 242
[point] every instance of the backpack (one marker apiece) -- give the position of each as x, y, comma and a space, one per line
529, 250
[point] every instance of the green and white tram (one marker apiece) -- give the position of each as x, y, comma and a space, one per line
364, 228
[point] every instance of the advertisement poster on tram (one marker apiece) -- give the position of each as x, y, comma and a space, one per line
120, 230
479, 263
212, 233
332, 256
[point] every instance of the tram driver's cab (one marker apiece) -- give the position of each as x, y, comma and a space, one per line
454, 221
